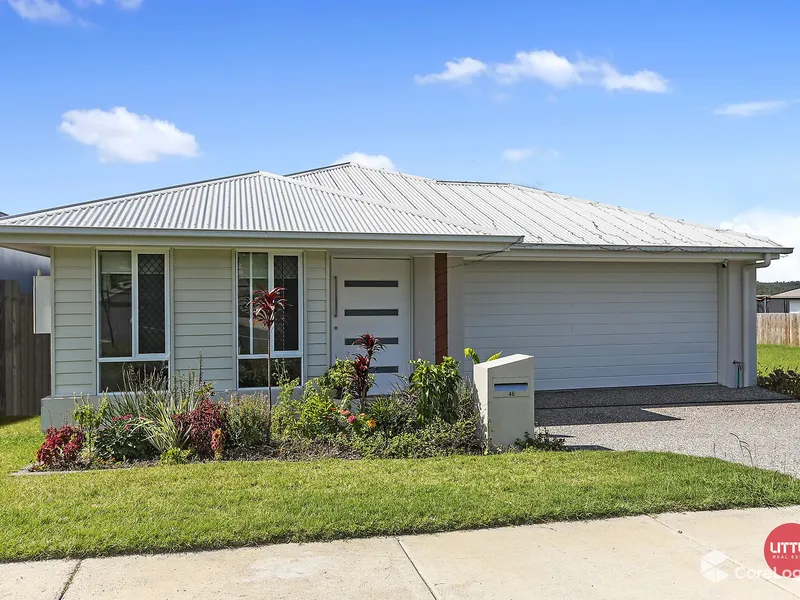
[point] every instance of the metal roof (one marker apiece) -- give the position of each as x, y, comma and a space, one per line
541, 217
787, 295
257, 202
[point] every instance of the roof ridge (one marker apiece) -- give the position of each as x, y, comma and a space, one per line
359, 166
389, 205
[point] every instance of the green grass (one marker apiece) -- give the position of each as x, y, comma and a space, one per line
231, 504
770, 357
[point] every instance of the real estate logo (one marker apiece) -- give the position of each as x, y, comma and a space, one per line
710, 566
782, 550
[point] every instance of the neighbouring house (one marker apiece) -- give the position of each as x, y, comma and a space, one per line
790, 301
24, 357
600, 295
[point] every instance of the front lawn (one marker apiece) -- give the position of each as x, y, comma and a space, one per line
772, 356
216, 504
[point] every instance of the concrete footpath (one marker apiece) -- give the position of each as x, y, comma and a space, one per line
676, 555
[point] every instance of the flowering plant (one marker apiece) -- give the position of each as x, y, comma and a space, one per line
124, 439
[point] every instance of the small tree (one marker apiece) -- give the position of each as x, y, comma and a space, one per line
266, 306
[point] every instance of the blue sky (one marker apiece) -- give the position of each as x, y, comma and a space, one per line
686, 109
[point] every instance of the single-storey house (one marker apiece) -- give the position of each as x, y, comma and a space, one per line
600, 295
791, 299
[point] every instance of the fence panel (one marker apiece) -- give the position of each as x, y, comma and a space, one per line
24, 356
778, 328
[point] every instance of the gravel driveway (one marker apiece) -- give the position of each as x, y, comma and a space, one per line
750, 426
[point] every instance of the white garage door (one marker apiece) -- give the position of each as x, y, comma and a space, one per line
597, 325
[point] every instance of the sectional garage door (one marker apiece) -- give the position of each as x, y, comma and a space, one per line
597, 324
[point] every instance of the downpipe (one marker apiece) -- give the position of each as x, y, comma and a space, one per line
747, 305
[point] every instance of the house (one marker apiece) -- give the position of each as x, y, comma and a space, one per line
791, 300
21, 266
597, 293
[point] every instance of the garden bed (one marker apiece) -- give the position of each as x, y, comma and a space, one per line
431, 413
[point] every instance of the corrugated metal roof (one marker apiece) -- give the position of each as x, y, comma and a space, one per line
258, 202
541, 217
787, 295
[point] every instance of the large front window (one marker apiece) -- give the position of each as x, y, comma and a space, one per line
263, 270
132, 316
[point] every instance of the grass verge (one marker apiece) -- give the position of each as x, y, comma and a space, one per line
215, 505
771, 357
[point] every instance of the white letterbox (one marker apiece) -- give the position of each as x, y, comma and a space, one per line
505, 393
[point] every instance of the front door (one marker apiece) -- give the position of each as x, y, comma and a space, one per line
373, 296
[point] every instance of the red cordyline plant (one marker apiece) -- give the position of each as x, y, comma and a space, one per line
266, 306
362, 363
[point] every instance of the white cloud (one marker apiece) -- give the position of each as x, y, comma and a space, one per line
41, 10
554, 70
123, 136
515, 155
751, 109
54, 12
461, 70
783, 228
539, 64
376, 161
559, 72
641, 81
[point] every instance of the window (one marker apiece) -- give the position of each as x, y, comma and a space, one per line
132, 316
263, 270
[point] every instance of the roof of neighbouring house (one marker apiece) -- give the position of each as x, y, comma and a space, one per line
540, 216
255, 202
787, 295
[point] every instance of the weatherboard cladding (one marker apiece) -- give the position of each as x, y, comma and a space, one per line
259, 202
541, 217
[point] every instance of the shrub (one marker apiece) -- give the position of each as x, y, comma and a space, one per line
783, 381
248, 421
340, 378
393, 414
124, 439
436, 389
541, 440
283, 424
89, 419
436, 439
61, 447
199, 424
316, 411
174, 456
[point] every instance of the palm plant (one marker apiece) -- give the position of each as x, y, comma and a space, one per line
266, 305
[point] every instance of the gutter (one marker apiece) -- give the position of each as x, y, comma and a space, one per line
747, 333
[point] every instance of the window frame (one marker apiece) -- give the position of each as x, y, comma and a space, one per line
276, 354
136, 356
